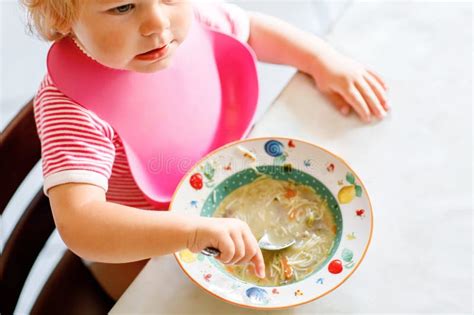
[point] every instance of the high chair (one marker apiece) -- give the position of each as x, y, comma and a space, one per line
71, 287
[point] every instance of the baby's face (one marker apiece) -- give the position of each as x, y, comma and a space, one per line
117, 33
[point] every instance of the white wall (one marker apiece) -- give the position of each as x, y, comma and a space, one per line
22, 59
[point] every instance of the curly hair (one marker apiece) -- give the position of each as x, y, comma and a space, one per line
51, 19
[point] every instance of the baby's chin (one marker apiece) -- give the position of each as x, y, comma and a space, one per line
152, 67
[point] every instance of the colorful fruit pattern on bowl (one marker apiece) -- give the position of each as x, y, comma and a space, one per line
229, 167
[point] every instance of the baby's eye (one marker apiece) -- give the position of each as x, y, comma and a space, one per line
123, 8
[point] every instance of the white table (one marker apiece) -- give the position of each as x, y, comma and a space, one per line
416, 165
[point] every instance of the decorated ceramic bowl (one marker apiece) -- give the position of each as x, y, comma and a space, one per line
228, 168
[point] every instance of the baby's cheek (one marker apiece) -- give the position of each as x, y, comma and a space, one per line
114, 51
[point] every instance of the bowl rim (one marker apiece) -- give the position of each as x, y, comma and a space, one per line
262, 307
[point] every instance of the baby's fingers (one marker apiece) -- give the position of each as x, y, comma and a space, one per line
370, 98
240, 248
379, 79
227, 249
339, 102
259, 264
378, 90
355, 99
252, 252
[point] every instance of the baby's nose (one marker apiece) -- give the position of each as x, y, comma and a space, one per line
155, 20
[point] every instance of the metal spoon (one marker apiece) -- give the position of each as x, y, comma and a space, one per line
263, 243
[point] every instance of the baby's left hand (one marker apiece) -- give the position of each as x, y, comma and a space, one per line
349, 84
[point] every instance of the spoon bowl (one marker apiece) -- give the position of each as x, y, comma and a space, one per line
264, 243
267, 244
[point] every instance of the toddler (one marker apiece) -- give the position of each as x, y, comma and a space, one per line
98, 208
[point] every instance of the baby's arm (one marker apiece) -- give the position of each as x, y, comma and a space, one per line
107, 232
345, 82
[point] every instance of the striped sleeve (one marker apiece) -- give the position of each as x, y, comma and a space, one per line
224, 17
76, 146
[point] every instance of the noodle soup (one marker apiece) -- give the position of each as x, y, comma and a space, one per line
285, 210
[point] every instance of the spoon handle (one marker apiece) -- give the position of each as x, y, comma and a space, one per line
210, 251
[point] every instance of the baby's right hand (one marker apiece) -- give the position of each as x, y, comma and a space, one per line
232, 237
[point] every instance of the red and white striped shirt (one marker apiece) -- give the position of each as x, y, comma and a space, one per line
79, 147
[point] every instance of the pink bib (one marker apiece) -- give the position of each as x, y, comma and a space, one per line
169, 119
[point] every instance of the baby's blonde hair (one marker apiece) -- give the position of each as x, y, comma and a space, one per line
52, 19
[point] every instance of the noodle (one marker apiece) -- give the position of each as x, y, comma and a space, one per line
284, 210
